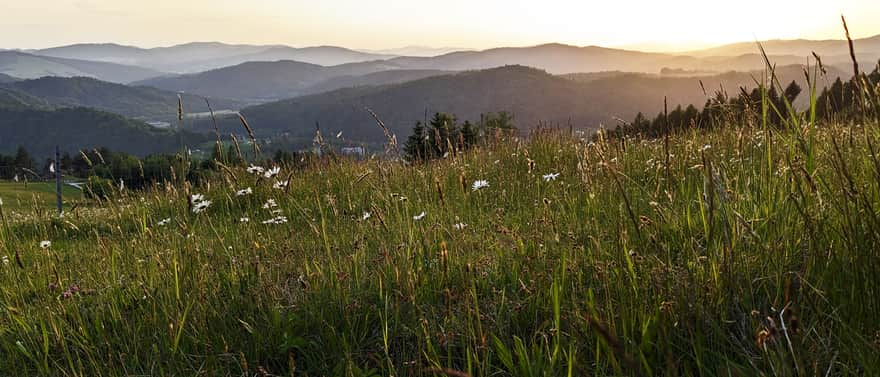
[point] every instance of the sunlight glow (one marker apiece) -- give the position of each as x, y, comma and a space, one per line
674, 24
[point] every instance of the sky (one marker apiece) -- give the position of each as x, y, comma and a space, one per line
476, 24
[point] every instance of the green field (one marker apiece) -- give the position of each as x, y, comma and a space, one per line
22, 197
752, 252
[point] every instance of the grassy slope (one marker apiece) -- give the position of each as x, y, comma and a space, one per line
21, 197
617, 267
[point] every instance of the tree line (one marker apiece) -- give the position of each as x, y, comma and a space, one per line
442, 135
841, 101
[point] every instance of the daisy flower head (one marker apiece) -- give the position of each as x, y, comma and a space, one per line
459, 226
243, 192
550, 177
270, 204
366, 216
254, 169
196, 198
420, 216
45, 244
200, 207
280, 185
272, 172
276, 220
479, 185
164, 222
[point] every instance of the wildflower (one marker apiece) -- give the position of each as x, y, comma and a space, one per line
272, 172
459, 226
244, 192
197, 198
480, 184
5, 259
253, 169
199, 207
706, 148
45, 244
164, 222
276, 220
366, 216
419, 216
244, 220
270, 204
280, 185
550, 177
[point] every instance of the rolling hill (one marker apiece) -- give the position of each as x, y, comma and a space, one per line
131, 101
39, 130
532, 95
395, 76
563, 59
262, 81
202, 56
29, 66
798, 47
7, 79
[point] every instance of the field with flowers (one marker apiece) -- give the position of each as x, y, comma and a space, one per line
741, 251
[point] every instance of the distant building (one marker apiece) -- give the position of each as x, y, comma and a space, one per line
159, 124
353, 151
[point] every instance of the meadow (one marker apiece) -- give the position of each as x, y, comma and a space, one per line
739, 251
26, 197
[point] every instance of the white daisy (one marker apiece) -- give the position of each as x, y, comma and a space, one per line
280, 185
419, 216
45, 244
197, 198
244, 192
200, 207
272, 172
164, 222
550, 177
366, 215
270, 204
276, 220
479, 185
459, 226
253, 169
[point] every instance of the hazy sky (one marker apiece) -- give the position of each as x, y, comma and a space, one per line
375, 24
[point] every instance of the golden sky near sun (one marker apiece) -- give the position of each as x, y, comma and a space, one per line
674, 24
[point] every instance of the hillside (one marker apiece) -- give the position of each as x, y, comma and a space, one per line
735, 250
262, 81
30, 66
395, 76
130, 101
11, 99
202, 56
564, 59
798, 47
7, 79
73, 129
532, 95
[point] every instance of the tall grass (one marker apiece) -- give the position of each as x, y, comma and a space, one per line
743, 261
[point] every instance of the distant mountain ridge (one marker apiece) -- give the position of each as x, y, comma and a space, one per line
202, 56
263, 81
29, 66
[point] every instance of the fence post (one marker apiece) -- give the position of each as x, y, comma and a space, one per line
58, 179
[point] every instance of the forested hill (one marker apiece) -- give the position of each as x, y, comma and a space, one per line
73, 129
